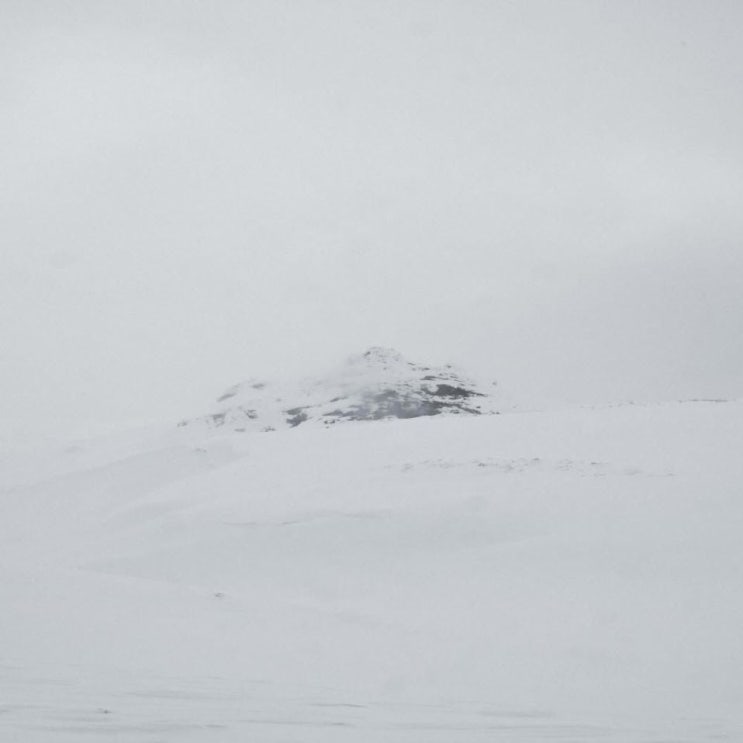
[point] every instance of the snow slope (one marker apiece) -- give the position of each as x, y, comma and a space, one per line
546, 576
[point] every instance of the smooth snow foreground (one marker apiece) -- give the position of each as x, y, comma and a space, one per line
555, 576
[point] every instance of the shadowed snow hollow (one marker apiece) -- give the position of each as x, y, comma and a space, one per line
375, 385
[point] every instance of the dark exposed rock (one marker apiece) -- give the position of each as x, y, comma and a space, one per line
448, 390
296, 416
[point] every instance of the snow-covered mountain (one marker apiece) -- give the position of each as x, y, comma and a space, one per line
375, 385
570, 576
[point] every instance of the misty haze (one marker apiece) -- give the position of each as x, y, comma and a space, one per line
371, 371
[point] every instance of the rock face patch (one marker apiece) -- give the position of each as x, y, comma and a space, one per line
376, 385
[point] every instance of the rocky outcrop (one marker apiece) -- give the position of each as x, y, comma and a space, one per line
375, 385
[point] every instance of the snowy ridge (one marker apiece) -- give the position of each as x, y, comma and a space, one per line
375, 385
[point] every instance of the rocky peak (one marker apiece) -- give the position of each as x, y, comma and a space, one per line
375, 385
379, 356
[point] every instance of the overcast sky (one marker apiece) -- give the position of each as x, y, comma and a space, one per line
550, 193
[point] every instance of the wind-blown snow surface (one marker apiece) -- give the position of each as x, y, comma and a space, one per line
554, 576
